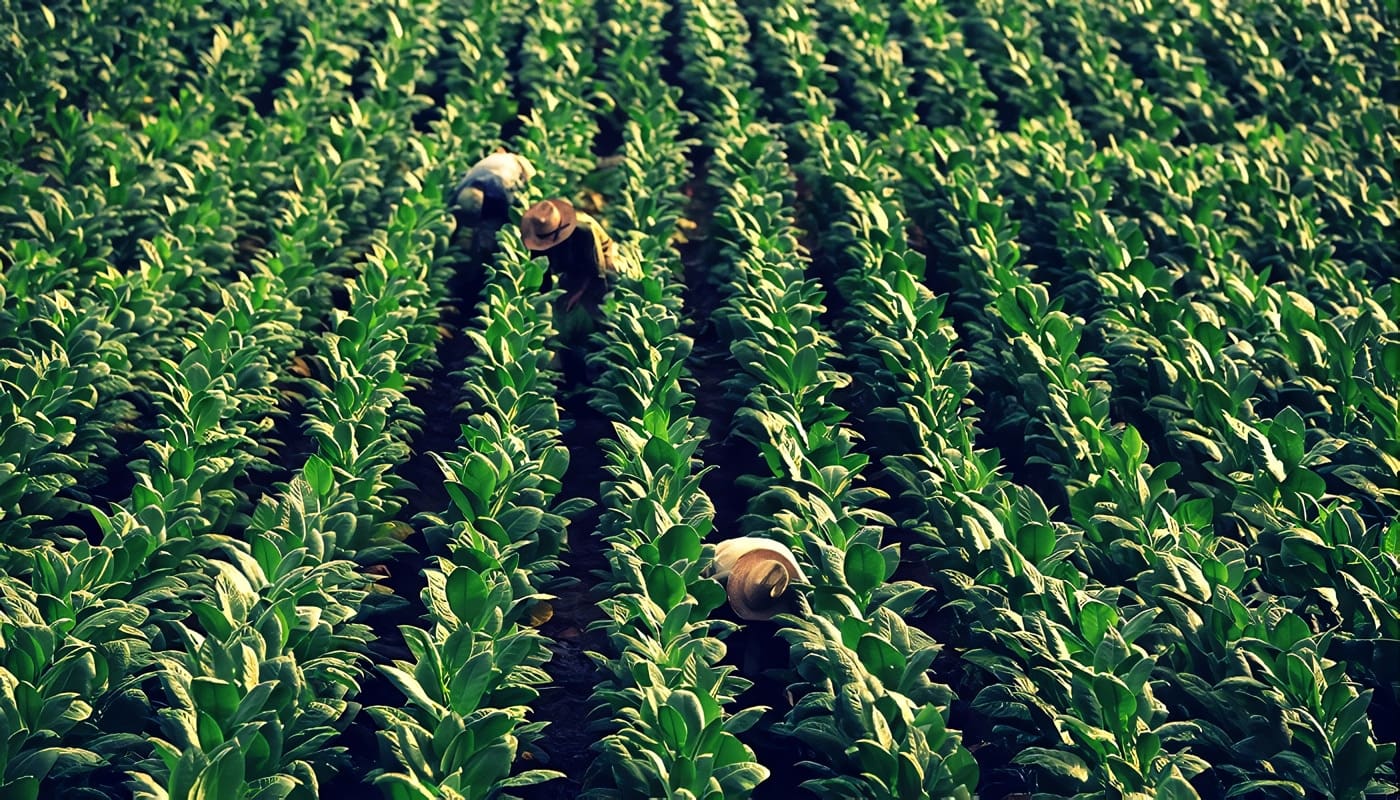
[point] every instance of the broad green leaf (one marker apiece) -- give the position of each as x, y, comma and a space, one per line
741, 721
24, 788
673, 728
1390, 540
1273, 787
1035, 541
690, 710
1056, 762
530, 777
217, 697
466, 595
470, 683
319, 475
1095, 618
665, 586
222, 779
881, 658
1287, 435
864, 568
877, 760
680, 543
1175, 787
521, 524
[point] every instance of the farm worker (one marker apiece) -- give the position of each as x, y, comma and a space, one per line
481, 203
756, 573
489, 188
582, 257
482, 199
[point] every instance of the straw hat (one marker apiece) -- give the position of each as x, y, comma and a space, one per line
548, 223
757, 573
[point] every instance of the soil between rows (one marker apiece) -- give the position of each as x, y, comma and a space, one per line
566, 703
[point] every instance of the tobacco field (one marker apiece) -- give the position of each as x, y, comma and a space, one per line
1059, 339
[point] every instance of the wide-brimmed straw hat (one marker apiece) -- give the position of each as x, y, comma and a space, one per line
757, 573
547, 223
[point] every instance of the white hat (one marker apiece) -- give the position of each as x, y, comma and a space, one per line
756, 574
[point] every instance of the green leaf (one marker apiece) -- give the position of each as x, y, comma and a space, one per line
741, 721
688, 706
1302, 680
319, 475
1390, 543
480, 474
521, 523
1110, 651
460, 499
1011, 313
1035, 541
881, 659
25, 788
864, 568
1117, 701
222, 779
673, 728
531, 777
398, 786
1287, 435
206, 412
1056, 762
217, 697
274, 787
804, 367
708, 595
1290, 630
208, 732
680, 543
910, 779
665, 586
1390, 357
1175, 787
1360, 758
1270, 787
1264, 455
466, 596
489, 765
470, 683
1095, 618
181, 463
740, 779
659, 454
877, 760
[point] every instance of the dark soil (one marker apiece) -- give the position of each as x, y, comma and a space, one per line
711, 365
436, 398
566, 702
755, 650
110, 485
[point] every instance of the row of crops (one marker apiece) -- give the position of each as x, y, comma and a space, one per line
1059, 341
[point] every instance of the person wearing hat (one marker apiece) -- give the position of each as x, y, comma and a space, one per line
582, 258
757, 574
